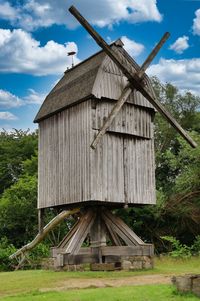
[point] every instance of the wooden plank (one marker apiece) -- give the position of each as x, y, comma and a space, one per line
113, 235
133, 78
79, 236
102, 267
66, 239
152, 55
97, 232
121, 228
142, 250
119, 232
40, 220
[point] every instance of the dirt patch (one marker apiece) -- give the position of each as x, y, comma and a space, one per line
97, 283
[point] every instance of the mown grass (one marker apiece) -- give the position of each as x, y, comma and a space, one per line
134, 293
27, 282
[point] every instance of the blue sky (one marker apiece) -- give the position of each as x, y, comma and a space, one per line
35, 36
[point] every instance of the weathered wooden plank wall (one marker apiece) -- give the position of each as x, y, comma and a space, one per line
107, 170
120, 170
64, 157
133, 120
110, 82
139, 171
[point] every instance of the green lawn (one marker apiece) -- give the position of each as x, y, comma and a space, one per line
25, 285
135, 293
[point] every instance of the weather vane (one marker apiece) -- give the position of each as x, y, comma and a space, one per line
72, 53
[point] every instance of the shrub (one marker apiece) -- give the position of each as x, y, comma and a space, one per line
178, 250
196, 246
6, 250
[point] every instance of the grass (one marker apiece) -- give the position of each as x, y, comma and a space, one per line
25, 285
137, 293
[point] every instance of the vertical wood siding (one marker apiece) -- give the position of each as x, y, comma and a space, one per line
120, 170
131, 119
107, 169
139, 171
110, 83
64, 157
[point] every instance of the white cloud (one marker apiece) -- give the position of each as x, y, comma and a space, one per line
8, 100
40, 13
20, 53
34, 97
7, 116
185, 74
133, 48
180, 44
196, 23
7, 12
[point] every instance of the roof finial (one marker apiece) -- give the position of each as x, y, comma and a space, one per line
72, 53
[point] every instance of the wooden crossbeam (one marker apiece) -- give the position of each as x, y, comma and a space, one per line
133, 78
126, 92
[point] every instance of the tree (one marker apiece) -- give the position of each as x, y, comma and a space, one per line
15, 147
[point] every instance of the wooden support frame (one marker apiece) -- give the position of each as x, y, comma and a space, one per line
100, 224
136, 83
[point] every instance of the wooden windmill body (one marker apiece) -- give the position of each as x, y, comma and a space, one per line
121, 169
96, 151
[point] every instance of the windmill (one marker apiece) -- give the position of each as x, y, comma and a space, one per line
96, 153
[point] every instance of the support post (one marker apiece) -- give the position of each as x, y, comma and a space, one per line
40, 220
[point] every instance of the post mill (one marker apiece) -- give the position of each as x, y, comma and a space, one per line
96, 153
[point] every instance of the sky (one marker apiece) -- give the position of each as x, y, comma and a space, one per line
36, 36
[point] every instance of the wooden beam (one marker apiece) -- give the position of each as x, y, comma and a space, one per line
152, 55
142, 250
127, 91
40, 220
121, 228
113, 235
125, 67
84, 225
53, 223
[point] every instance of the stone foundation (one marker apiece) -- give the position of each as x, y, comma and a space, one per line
187, 283
126, 263
132, 263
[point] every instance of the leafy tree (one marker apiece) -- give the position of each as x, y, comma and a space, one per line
18, 213
15, 147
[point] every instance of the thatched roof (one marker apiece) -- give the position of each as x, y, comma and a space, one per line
96, 77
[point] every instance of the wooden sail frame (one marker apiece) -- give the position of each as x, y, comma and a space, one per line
135, 81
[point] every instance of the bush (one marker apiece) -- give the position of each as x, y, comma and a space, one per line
39, 252
6, 250
196, 246
178, 250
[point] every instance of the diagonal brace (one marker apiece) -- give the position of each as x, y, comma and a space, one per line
126, 92
133, 78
